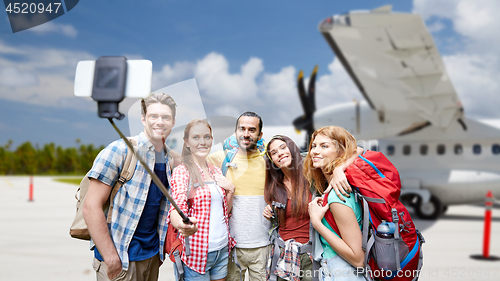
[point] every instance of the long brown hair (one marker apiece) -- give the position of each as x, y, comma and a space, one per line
345, 144
187, 157
275, 189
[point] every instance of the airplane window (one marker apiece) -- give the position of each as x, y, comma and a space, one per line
458, 149
441, 149
495, 148
390, 150
407, 149
423, 149
476, 149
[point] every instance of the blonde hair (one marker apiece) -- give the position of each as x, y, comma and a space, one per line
346, 146
187, 156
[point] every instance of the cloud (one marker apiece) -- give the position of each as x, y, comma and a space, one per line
42, 76
279, 84
474, 65
51, 27
50, 60
173, 74
435, 27
227, 110
272, 95
476, 20
41, 24
54, 120
14, 77
336, 86
476, 76
214, 79
438, 8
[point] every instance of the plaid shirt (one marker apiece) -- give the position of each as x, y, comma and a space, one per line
288, 266
200, 209
131, 198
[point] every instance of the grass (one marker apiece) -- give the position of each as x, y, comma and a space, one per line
75, 181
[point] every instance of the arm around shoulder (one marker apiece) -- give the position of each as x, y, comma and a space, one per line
339, 181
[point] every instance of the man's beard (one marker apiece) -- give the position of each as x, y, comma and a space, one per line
252, 146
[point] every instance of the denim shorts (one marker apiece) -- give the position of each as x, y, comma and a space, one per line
336, 268
216, 267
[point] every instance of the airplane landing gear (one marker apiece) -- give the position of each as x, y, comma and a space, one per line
430, 210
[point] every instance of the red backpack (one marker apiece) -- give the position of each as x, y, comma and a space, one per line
376, 184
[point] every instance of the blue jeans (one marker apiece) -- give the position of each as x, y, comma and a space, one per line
336, 268
216, 267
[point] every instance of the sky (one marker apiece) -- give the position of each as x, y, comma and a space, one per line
242, 55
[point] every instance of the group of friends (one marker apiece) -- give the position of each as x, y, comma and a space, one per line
231, 215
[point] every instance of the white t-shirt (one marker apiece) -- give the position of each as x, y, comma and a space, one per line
248, 226
217, 234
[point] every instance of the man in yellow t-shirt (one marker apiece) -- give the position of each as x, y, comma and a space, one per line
247, 225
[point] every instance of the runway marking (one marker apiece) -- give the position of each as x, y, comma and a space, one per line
8, 182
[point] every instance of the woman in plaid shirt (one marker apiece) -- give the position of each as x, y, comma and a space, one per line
207, 206
286, 184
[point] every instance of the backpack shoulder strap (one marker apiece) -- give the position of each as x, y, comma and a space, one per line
329, 217
126, 174
229, 156
231, 148
311, 228
261, 146
129, 164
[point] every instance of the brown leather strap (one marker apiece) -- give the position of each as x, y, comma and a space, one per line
128, 169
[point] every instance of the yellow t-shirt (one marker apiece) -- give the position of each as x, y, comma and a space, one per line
248, 176
247, 224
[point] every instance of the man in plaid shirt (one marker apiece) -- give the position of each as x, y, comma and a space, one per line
131, 246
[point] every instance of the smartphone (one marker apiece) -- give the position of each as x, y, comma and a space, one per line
137, 84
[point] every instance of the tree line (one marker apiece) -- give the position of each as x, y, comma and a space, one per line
49, 159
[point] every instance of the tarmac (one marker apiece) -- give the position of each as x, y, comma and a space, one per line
35, 242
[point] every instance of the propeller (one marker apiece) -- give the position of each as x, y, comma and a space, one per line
308, 100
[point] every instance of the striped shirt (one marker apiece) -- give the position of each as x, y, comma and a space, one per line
200, 209
130, 200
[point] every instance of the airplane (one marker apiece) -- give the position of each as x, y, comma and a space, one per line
410, 107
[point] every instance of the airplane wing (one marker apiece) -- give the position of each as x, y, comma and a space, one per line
394, 62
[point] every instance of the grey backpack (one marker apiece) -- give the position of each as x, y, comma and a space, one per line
78, 228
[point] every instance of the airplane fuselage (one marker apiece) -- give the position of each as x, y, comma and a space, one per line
456, 165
